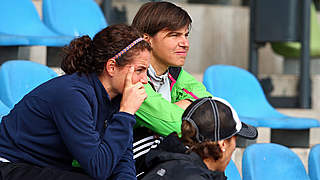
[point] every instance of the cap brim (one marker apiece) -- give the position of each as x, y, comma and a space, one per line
247, 131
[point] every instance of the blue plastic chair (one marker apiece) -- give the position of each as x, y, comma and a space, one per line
18, 77
314, 162
244, 92
268, 161
13, 40
20, 18
232, 171
73, 18
4, 110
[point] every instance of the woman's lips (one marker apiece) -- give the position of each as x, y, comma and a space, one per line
181, 53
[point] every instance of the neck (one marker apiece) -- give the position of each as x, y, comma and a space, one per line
214, 165
106, 82
158, 66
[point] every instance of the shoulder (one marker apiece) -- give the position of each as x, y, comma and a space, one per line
64, 88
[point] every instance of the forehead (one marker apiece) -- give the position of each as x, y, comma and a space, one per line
141, 58
182, 30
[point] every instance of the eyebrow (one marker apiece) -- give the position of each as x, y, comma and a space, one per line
176, 32
142, 67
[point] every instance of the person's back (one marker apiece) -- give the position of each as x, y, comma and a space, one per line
209, 130
40, 112
171, 161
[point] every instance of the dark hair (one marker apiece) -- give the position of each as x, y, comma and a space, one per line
84, 55
206, 148
152, 17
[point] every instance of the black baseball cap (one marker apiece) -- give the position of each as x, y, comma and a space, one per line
215, 119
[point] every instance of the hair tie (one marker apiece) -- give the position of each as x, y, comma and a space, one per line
127, 48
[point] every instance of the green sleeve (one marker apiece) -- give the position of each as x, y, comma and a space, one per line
158, 114
188, 82
162, 116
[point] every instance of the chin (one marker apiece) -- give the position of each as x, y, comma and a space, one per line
178, 63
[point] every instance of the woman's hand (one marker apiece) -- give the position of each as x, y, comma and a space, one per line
133, 94
183, 103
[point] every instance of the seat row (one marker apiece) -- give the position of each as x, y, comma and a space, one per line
18, 77
268, 161
244, 92
63, 20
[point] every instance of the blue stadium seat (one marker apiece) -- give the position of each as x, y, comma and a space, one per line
73, 18
4, 110
19, 18
12, 40
314, 162
232, 171
244, 92
268, 161
18, 77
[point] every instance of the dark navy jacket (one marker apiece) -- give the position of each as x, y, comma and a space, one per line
70, 117
169, 161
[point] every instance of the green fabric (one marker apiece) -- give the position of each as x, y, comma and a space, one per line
292, 49
75, 163
162, 116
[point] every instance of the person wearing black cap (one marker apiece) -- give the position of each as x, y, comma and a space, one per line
209, 130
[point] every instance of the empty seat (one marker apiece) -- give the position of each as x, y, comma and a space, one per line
4, 110
232, 171
314, 162
243, 91
268, 161
73, 18
13, 40
18, 77
20, 18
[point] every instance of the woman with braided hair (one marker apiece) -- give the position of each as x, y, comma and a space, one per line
86, 115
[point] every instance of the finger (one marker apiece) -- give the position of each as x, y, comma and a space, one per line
139, 85
129, 76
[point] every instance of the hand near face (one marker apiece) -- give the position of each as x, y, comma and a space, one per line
133, 94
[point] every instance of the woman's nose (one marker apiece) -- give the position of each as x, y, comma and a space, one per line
144, 79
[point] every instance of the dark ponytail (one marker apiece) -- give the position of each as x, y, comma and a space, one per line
78, 56
86, 56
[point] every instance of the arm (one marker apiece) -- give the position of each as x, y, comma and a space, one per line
125, 168
97, 155
164, 117
158, 114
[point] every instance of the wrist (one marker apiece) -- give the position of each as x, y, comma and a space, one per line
127, 111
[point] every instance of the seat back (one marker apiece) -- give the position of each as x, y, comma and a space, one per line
18, 77
314, 162
268, 161
232, 171
20, 17
73, 18
241, 89
4, 110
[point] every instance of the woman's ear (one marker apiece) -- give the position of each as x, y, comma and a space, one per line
111, 66
147, 38
223, 145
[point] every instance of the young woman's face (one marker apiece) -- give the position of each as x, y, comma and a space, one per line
140, 62
170, 48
